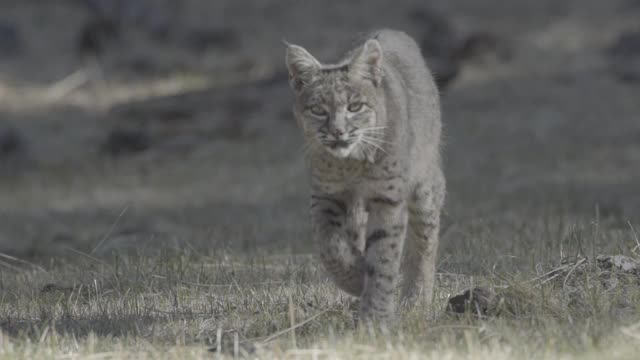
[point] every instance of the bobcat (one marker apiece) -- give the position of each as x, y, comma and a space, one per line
372, 128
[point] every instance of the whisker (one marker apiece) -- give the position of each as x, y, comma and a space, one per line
377, 140
374, 145
309, 147
306, 149
374, 131
377, 147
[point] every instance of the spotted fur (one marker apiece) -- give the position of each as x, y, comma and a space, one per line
372, 127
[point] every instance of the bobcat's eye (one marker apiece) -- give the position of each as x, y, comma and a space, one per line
318, 111
355, 107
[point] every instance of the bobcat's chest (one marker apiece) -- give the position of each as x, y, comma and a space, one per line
334, 176
366, 179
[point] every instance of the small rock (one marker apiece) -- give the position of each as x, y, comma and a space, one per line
619, 263
10, 40
126, 141
479, 301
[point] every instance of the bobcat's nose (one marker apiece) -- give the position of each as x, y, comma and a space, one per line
337, 133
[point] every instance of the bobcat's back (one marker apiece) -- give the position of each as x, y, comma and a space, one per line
412, 95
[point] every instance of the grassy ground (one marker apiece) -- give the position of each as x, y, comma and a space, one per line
179, 304
202, 234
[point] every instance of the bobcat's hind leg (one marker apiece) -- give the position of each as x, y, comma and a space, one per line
421, 247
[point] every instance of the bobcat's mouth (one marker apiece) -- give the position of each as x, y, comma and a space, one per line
340, 148
340, 144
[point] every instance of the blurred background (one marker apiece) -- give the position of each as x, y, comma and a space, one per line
135, 125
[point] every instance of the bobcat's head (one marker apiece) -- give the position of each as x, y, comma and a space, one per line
336, 104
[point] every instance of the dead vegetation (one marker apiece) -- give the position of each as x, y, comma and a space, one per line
271, 306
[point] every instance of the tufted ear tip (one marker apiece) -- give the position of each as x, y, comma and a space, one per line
372, 48
300, 64
368, 62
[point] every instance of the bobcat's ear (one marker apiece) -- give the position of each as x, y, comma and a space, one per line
367, 63
301, 65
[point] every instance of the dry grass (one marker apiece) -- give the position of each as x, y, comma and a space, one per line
179, 304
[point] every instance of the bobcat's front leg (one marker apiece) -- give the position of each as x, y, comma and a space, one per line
386, 231
335, 227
